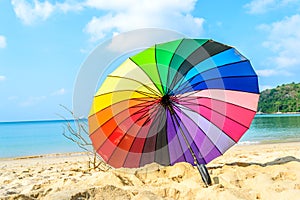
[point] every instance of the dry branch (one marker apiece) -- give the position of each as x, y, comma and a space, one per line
79, 135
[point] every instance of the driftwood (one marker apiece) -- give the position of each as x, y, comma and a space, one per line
78, 134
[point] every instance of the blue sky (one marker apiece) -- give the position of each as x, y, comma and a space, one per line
44, 43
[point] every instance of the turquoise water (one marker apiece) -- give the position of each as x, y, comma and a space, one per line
273, 128
33, 138
43, 137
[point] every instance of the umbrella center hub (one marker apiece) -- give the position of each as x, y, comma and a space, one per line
166, 100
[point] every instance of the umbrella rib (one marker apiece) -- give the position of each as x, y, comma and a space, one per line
221, 113
170, 82
149, 88
156, 64
190, 93
115, 116
155, 120
212, 79
170, 67
145, 73
196, 91
150, 113
143, 93
137, 105
202, 131
172, 111
126, 157
191, 103
185, 158
215, 53
118, 126
159, 139
191, 136
218, 113
183, 107
146, 114
150, 117
216, 67
224, 65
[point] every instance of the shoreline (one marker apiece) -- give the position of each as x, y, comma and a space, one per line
80, 153
278, 113
48, 155
268, 142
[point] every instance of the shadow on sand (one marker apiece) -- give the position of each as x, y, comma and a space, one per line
277, 161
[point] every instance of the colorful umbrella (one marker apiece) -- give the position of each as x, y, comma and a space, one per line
187, 100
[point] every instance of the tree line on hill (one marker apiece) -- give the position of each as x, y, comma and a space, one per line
284, 98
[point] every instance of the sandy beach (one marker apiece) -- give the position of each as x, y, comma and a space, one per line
259, 171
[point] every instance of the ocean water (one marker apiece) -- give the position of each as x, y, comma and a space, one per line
268, 128
34, 138
44, 137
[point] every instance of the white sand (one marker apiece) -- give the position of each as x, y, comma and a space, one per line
264, 171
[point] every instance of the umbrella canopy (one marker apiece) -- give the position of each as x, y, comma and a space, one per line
187, 100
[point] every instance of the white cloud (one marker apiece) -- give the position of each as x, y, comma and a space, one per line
59, 92
266, 72
2, 42
127, 15
141, 5
259, 6
263, 6
30, 13
2, 78
284, 41
68, 6
31, 101
118, 15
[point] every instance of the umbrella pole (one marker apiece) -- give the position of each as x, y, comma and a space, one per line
204, 174
201, 167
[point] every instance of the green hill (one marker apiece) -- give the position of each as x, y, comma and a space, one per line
284, 98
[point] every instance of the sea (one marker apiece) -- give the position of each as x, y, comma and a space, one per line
30, 138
